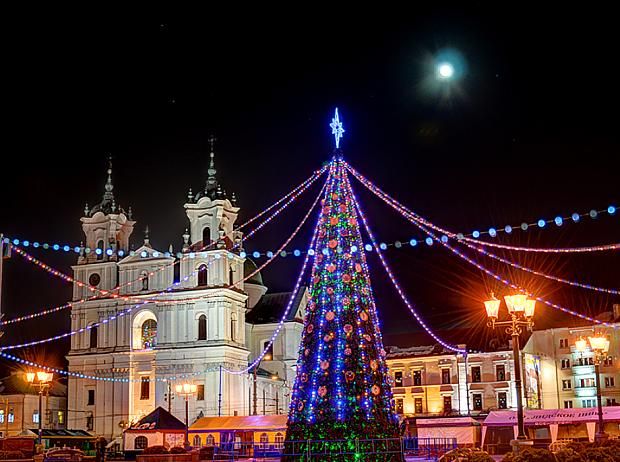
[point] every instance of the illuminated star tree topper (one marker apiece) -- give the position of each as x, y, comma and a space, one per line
337, 128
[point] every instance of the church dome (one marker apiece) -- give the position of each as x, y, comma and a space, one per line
249, 267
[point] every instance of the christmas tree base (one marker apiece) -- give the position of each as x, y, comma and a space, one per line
339, 442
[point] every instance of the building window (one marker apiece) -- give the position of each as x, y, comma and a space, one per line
202, 327
144, 277
568, 404
2, 416
610, 382
141, 442
35, 417
418, 406
90, 422
477, 402
202, 275
399, 406
210, 440
145, 388
91, 398
476, 376
233, 327
231, 276
587, 403
447, 404
608, 361
206, 236
279, 440
93, 337
502, 402
566, 385
268, 348
197, 442
264, 440
566, 363
398, 379
417, 378
500, 372
200, 393
611, 402
61, 417
11, 416
149, 334
563, 343
445, 376
587, 382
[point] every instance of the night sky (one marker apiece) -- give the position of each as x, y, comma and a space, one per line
528, 132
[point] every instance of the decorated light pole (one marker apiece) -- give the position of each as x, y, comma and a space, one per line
186, 390
599, 344
521, 311
42, 380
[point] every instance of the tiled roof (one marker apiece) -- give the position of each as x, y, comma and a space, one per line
270, 307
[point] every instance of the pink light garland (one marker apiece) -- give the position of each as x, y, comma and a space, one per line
412, 218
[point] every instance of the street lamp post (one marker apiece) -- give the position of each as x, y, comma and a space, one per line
521, 311
42, 380
186, 390
267, 357
599, 344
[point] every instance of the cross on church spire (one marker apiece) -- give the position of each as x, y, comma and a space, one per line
211, 181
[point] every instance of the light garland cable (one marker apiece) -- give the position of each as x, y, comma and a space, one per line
292, 196
79, 375
293, 295
121, 253
539, 273
407, 214
395, 283
125, 312
452, 235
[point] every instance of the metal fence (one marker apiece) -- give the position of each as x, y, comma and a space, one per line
385, 449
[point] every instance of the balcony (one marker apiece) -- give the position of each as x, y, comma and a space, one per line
581, 369
585, 391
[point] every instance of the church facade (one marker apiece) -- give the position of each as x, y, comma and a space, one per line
176, 320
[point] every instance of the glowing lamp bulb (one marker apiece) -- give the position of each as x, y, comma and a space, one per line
599, 343
581, 345
445, 70
30, 376
492, 307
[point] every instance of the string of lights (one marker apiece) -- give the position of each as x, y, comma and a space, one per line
450, 235
410, 216
291, 196
296, 288
79, 375
395, 283
168, 289
539, 273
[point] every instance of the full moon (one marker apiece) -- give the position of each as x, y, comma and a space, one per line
446, 70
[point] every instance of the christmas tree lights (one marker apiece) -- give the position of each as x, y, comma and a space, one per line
342, 393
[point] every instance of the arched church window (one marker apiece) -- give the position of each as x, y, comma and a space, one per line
206, 236
202, 275
144, 276
141, 442
100, 250
210, 440
202, 327
279, 440
233, 326
197, 442
93, 337
231, 276
149, 334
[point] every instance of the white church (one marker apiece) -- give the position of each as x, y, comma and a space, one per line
200, 324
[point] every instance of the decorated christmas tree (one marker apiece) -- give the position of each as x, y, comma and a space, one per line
341, 396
